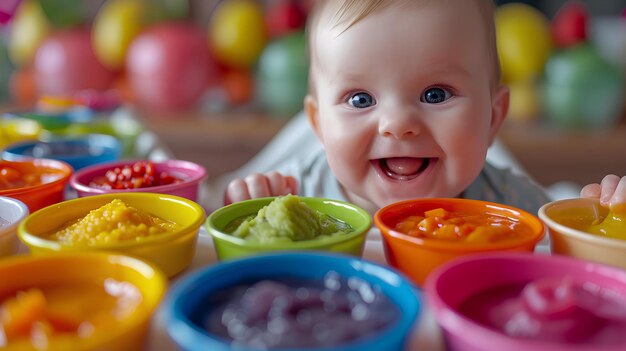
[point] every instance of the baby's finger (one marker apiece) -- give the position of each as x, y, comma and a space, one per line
258, 185
278, 184
609, 184
292, 184
236, 191
618, 201
591, 191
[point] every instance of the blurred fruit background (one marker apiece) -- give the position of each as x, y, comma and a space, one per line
160, 55
558, 67
563, 60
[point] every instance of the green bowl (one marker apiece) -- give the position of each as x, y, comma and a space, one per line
230, 247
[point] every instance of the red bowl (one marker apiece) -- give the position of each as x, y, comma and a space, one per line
49, 191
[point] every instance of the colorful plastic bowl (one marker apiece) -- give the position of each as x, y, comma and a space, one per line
124, 278
452, 285
53, 175
172, 251
417, 257
12, 212
191, 173
18, 129
125, 128
187, 304
228, 246
54, 120
78, 152
566, 240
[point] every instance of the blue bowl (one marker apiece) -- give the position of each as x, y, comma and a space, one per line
55, 120
78, 152
187, 303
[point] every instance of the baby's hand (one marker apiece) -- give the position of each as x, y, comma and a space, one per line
611, 192
260, 185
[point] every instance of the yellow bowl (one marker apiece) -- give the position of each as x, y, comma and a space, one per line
18, 129
72, 274
560, 216
172, 251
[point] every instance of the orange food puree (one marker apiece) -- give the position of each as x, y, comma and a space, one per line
11, 178
469, 227
47, 318
113, 222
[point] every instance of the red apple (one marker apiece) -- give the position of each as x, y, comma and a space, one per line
65, 63
569, 25
168, 66
284, 16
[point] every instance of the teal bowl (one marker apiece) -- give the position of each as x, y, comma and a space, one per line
228, 246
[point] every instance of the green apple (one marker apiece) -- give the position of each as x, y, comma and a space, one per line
581, 89
282, 74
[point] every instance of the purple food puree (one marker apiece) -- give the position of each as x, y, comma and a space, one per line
301, 314
552, 310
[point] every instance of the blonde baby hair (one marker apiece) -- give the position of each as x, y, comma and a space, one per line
350, 12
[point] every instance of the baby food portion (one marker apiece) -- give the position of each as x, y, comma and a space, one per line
41, 318
287, 218
141, 174
552, 309
611, 224
113, 222
13, 178
300, 314
470, 227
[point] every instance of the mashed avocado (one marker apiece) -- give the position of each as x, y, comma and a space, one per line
287, 218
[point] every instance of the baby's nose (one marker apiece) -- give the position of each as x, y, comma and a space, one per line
401, 123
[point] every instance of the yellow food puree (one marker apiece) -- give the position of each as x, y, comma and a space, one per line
113, 222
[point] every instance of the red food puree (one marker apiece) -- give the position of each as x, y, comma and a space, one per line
552, 309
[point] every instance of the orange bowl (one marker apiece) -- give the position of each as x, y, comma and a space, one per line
417, 257
52, 177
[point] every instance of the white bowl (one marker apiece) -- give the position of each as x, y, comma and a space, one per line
12, 212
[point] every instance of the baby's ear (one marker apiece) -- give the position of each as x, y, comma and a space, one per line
311, 110
499, 110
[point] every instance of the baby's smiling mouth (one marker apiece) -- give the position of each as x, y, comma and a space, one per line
404, 168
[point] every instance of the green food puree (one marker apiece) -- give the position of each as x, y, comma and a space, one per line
287, 218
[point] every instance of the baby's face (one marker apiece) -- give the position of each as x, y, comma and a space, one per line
403, 100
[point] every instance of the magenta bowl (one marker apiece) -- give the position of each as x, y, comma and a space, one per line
191, 173
456, 282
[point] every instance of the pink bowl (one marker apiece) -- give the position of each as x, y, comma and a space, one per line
453, 283
191, 173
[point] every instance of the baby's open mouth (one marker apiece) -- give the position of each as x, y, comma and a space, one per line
404, 168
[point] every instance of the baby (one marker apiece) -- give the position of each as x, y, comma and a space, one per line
405, 98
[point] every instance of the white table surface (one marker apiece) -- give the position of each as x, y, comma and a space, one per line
426, 334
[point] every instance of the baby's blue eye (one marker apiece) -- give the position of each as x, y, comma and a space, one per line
361, 100
435, 95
